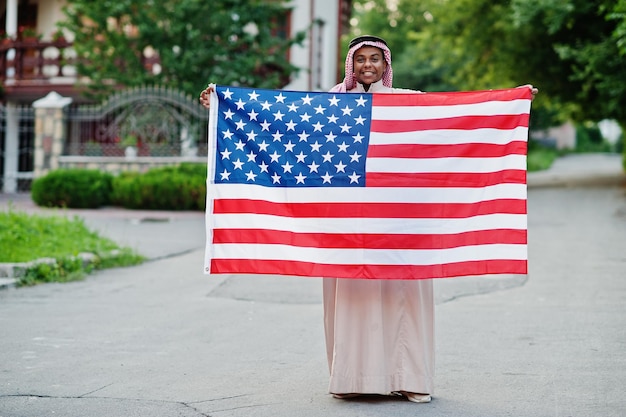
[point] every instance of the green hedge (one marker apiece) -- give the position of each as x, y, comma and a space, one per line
73, 188
181, 187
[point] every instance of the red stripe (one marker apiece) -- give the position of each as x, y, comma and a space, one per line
502, 122
369, 241
370, 210
308, 269
466, 150
439, 180
450, 99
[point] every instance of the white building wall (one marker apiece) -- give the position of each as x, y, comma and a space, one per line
317, 56
53, 12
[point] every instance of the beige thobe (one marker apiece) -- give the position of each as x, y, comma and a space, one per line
379, 333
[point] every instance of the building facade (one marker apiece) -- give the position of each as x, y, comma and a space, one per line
31, 68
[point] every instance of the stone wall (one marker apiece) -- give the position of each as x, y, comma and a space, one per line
116, 165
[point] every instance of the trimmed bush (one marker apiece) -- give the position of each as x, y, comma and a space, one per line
181, 187
73, 188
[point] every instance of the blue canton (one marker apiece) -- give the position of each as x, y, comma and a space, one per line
292, 139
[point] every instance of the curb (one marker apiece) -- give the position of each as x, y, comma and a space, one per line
10, 272
539, 180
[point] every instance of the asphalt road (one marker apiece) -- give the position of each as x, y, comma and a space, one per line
162, 339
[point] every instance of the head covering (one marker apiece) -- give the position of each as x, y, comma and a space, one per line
349, 82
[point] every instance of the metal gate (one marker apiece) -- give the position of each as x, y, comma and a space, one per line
17, 147
155, 121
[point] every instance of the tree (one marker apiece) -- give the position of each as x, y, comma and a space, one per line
231, 42
573, 50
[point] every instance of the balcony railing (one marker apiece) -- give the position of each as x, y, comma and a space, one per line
31, 68
36, 61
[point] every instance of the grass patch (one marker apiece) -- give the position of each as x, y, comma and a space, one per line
540, 158
26, 238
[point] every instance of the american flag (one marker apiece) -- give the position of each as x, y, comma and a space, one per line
381, 186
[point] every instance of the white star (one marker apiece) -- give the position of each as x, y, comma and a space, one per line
354, 178
293, 107
252, 115
251, 157
315, 147
265, 105
253, 95
326, 178
228, 114
332, 118
291, 125
313, 167
277, 136
278, 115
361, 101
303, 136
251, 136
263, 146
345, 128
225, 175
347, 111
250, 176
287, 167
228, 94
330, 137
227, 134
317, 127
274, 157
238, 164
359, 120
341, 167
358, 138
334, 101
289, 146
263, 166
300, 178
265, 126
276, 178
280, 98
240, 145
343, 147
226, 154
307, 100
355, 157
240, 124
305, 117
328, 157
240, 104
320, 110
300, 157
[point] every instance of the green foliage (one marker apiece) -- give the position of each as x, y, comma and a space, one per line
66, 269
540, 157
574, 51
180, 187
589, 139
74, 188
232, 42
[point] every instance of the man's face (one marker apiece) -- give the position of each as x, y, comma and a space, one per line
369, 64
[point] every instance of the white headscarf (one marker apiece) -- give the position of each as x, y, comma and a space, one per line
349, 82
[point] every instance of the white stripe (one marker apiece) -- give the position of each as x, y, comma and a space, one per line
446, 165
371, 256
369, 225
365, 195
491, 108
451, 137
